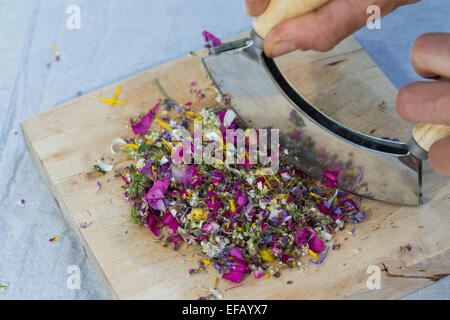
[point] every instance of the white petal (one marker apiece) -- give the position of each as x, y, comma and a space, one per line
104, 166
116, 141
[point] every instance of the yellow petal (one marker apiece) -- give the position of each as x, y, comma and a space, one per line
163, 124
266, 256
313, 254
199, 214
132, 146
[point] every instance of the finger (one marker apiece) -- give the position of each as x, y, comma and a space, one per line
439, 156
425, 102
430, 55
325, 27
256, 7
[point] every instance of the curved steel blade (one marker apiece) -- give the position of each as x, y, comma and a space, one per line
263, 98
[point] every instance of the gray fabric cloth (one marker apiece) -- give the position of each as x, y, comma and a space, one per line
118, 39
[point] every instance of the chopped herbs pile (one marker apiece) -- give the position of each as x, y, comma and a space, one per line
241, 220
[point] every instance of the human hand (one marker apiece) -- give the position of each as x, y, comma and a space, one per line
429, 102
321, 29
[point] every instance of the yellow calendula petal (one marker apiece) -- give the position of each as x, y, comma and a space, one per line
315, 195
167, 145
233, 207
266, 256
132, 146
117, 90
199, 214
190, 113
163, 124
215, 283
313, 254
206, 262
267, 275
55, 51
198, 118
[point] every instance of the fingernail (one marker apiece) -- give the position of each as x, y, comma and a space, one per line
282, 47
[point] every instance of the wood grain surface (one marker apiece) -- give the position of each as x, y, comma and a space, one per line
66, 141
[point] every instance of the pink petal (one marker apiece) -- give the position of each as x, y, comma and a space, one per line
169, 220
235, 274
258, 274
152, 220
237, 254
208, 37
331, 177
316, 245
322, 208
142, 126
302, 235
263, 226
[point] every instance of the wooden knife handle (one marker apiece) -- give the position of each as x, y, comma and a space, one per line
426, 134
280, 10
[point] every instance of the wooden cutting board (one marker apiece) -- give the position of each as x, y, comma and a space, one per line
65, 142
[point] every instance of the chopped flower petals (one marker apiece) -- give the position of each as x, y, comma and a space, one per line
242, 218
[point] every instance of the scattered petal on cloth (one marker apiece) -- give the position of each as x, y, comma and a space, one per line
53, 239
